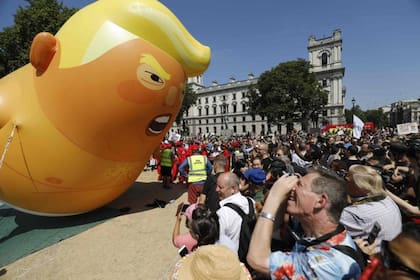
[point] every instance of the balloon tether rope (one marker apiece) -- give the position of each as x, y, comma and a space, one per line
6, 147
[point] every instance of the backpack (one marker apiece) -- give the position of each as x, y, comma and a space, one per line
247, 227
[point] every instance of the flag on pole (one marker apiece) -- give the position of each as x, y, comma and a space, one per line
357, 127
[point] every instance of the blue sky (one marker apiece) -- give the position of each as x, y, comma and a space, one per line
381, 39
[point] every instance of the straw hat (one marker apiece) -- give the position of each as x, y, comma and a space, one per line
211, 262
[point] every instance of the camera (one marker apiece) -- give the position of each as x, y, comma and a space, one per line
374, 233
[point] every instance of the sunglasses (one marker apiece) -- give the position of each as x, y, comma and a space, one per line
391, 261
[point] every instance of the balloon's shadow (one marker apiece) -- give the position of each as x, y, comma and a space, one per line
26, 222
22, 233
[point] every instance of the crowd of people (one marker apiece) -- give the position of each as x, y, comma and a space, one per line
326, 207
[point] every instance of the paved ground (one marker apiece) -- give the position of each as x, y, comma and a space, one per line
135, 245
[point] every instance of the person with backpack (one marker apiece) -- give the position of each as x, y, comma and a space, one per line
323, 249
236, 213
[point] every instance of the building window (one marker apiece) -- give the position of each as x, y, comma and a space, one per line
214, 129
207, 111
234, 96
332, 111
253, 128
243, 94
199, 130
199, 112
214, 111
234, 128
199, 100
207, 122
222, 128
207, 129
234, 119
243, 128
224, 97
244, 119
253, 118
207, 100
199, 121
324, 59
214, 98
262, 129
243, 107
234, 108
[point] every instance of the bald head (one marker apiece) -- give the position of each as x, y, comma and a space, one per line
227, 185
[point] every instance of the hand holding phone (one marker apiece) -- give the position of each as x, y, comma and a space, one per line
374, 233
182, 207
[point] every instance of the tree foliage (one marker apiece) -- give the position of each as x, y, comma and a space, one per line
286, 94
377, 116
37, 16
190, 97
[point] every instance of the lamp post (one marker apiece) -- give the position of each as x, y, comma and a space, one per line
353, 101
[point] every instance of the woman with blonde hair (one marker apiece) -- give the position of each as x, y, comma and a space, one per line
369, 204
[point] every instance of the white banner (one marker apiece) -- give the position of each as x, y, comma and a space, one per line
407, 128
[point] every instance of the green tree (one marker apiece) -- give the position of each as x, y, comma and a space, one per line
348, 114
190, 97
37, 16
378, 117
286, 94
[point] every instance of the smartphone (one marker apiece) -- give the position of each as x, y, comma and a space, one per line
374, 233
183, 251
182, 207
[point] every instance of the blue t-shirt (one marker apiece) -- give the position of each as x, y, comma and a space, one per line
319, 261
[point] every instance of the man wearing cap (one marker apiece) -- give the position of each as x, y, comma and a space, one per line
256, 185
198, 168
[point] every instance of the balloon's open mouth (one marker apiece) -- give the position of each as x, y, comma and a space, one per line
158, 124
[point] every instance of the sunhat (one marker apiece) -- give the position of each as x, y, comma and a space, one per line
211, 262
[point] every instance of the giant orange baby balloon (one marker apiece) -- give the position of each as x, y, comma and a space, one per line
79, 123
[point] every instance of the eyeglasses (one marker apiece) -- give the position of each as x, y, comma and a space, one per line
391, 261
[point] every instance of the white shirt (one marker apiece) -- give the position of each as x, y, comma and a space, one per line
230, 221
299, 161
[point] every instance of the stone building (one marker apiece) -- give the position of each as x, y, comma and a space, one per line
325, 58
221, 108
403, 111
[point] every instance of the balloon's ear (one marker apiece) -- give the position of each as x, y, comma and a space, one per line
43, 48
